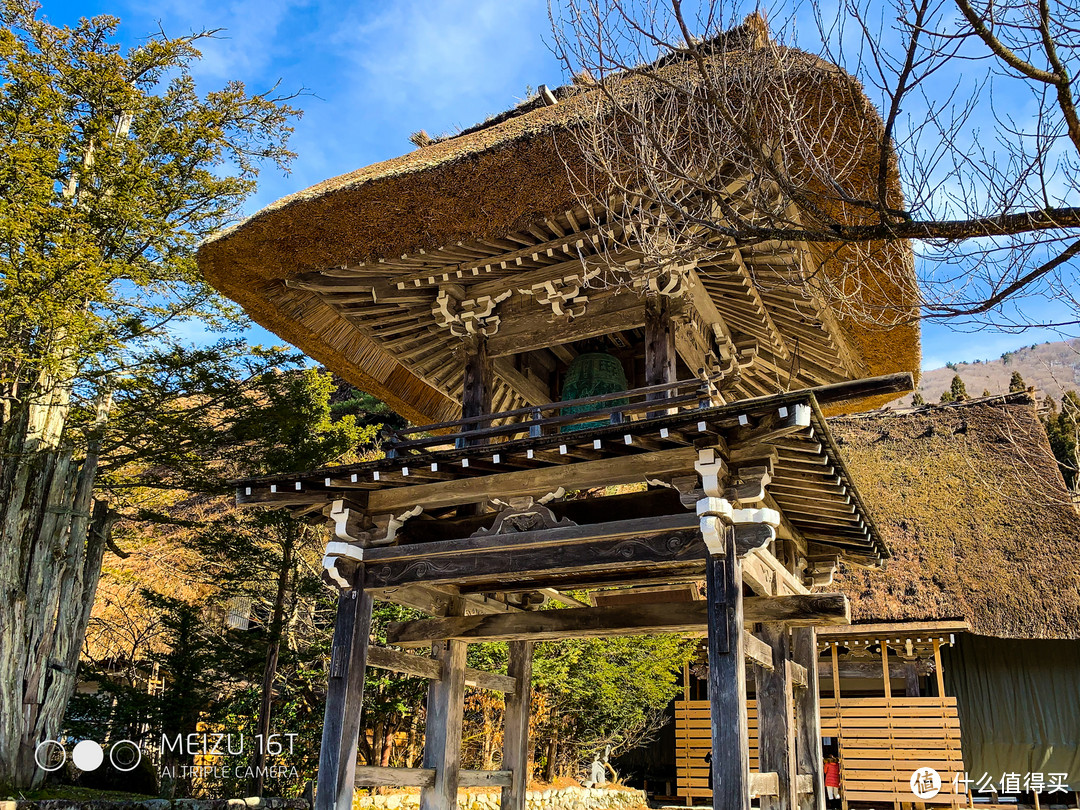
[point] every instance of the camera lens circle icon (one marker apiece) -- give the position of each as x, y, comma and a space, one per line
125, 755
87, 755
50, 755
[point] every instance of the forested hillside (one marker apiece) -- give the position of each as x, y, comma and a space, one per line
1052, 368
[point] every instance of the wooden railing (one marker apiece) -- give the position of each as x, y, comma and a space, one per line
881, 742
540, 420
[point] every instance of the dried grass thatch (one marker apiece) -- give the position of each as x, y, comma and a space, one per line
499, 177
973, 507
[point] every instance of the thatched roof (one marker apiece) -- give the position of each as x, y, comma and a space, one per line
500, 178
970, 501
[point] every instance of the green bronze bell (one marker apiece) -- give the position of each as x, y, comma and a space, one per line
591, 375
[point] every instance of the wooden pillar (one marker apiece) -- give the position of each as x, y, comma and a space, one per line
727, 681
937, 669
808, 719
776, 720
839, 720
442, 730
911, 679
476, 389
344, 699
516, 737
659, 344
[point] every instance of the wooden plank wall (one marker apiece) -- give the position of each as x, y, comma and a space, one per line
881, 743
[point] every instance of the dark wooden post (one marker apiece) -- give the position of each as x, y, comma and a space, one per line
516, 737
344, 699
727, 681
911, 679
776, 721
808, 718
476, 389
442, 729
659, 345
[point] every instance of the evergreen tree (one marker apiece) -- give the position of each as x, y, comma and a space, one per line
259, 554
1016, 383
114, 168
957, 390
917, 400
1063, 431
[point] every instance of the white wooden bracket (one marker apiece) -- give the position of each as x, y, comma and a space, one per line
471, 316
347, 547
564, 294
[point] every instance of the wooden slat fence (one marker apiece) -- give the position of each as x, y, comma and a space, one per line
881, 743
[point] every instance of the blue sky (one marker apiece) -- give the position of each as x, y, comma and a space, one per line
378, 71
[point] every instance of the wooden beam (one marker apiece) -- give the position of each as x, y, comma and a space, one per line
762, 784
758, 652
810, 765
798, 674
535, 328
344, 699
420, 666
836, 393
540, 481
532, 391
668, 617
545, 565
727, 680
871, 670
516, 737
767, 576
664, 541
374, 776
894, 630
776, 719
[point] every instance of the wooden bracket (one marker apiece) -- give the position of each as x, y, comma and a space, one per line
465, 317
350, 548
564, 294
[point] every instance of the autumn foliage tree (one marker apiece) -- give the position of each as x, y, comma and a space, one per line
112, 167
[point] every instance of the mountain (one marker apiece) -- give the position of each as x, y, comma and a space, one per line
1052, 368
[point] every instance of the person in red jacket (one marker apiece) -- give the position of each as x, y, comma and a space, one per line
832, 778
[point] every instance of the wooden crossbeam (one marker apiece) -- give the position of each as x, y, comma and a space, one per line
534, 330
540, 481
670, 617
421, 666
374, 776
664, 542
757, 651
763, 784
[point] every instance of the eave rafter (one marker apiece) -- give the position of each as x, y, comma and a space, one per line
558, 272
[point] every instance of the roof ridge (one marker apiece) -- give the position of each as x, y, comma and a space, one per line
1011, 398
752, 32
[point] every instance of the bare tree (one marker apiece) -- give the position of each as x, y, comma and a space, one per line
715, 132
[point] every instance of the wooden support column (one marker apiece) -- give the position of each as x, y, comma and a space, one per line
659, 346
727, 681
776, 720
808, 719
911, 679
344, 699
516, 737
442, 732
479, 378
940, 676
